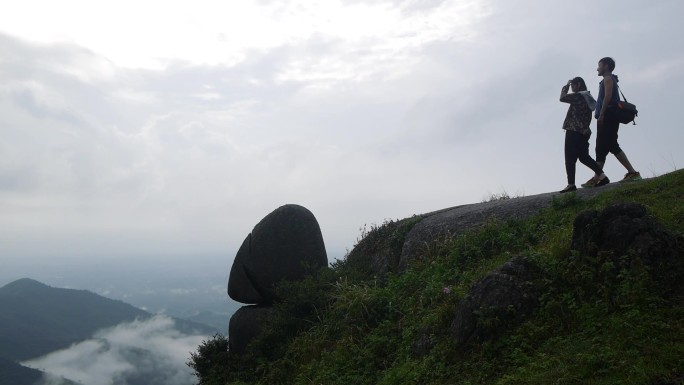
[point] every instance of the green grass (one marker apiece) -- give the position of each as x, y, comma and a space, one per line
596, 324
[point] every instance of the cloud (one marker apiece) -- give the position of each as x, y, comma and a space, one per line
360, 111
141, 352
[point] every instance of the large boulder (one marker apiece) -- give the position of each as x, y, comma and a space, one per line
626, 231
245, 325
286, 245
502, 298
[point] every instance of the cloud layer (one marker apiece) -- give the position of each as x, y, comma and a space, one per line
176, 135
148, 352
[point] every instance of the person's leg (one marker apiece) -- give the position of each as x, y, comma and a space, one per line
602, 150
602, 143
599, 178
622, 158
570, 156
586, 159
612, 127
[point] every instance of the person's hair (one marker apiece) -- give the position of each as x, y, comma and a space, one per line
609, 62
580, 83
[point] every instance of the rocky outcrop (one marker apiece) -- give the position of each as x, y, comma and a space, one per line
246, 324
625, 231
287, 245
453, 221
380, 249
504, 297
621, 233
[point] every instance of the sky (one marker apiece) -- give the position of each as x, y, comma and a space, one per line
166, 130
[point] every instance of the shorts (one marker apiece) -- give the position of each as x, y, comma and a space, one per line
607, 136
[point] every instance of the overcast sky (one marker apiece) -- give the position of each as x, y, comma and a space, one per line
168, 129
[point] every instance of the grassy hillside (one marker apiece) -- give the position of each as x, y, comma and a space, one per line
595, 324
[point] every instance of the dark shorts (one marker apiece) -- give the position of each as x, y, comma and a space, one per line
607, 136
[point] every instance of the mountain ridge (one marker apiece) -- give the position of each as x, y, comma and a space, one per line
38, 319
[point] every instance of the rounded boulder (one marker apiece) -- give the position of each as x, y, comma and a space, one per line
286, 245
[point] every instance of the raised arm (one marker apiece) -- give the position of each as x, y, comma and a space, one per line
564, 93
565, 97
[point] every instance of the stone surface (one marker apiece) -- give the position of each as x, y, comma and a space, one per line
457, 220
379, 251
239, 284
245, 325
502, 298
286, 245
624, 231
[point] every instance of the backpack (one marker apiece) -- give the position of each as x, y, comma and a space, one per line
626, 111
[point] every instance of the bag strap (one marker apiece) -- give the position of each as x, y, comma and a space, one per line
623, 95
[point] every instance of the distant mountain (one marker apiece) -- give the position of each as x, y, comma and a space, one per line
12, 373
36, 319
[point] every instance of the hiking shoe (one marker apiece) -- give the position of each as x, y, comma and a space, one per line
631, 176
602, 182
568, 189
590, 183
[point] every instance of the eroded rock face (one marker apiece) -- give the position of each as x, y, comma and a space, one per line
623, 231
286, 245
245, 325
503, 297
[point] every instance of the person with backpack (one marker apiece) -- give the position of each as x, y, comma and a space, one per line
607, 123
577, 132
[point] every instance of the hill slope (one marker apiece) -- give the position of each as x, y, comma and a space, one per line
600, 317
15, 374
37, 319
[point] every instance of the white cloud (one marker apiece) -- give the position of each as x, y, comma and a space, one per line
150, 350
358, 110
154, 34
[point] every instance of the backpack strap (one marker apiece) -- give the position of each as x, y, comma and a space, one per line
623, 95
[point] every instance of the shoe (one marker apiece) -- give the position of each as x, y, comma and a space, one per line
568, 189
631, 176
590, 183
602, 182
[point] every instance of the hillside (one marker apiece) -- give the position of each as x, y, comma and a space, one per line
37, 319
581, 288
15, 374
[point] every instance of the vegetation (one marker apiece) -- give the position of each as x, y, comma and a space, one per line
595, 324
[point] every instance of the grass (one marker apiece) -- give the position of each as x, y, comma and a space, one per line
596, 324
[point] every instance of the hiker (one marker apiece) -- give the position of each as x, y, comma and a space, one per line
577, 132
607, 123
